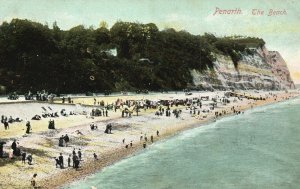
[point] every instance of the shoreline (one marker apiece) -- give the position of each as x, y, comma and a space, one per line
109, 159
108, 147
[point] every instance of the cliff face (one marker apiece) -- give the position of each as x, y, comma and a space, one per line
262, 70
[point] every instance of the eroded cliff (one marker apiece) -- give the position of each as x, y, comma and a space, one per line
262, 70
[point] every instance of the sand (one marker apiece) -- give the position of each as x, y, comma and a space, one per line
43, 143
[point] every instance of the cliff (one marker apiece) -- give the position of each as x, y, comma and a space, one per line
262, 69
132, 56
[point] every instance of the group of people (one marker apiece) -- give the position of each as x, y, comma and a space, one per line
51, 124
69, 100
6, 121
93, 126
108, 128
100, 103
161, 111
126, 113
98, 112
53, 114
143, 138
42, 95
63, 140
17, 152
75, 157
10, 119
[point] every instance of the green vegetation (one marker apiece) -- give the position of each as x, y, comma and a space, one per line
35, 57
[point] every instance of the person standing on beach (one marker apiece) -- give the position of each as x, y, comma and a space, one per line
23, 157
151, 138
79, 154
69, 161
6, 125
130, 143
67, 139
123, 140
74, 159
157, 133
33, 181
29, 158
57, 162
28, 127
95, 156
61, 141
14, 145
61, 160
76, 162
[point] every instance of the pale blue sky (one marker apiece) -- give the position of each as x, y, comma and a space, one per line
281, 33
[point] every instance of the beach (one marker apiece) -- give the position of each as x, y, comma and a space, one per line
42, 143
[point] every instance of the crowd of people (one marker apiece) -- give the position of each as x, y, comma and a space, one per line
194, 106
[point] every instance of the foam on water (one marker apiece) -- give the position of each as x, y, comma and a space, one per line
258, 149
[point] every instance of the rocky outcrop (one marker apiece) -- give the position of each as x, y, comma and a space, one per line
262, 70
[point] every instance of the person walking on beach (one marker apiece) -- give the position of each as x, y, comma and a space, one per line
130, 143
144, 145
123, 140
151, 138
33, 181
157, 133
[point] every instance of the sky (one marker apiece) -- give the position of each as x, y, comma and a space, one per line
280, 32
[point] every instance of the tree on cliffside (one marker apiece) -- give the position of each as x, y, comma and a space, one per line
35, 57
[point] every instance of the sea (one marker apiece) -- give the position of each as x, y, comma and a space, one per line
259, 149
